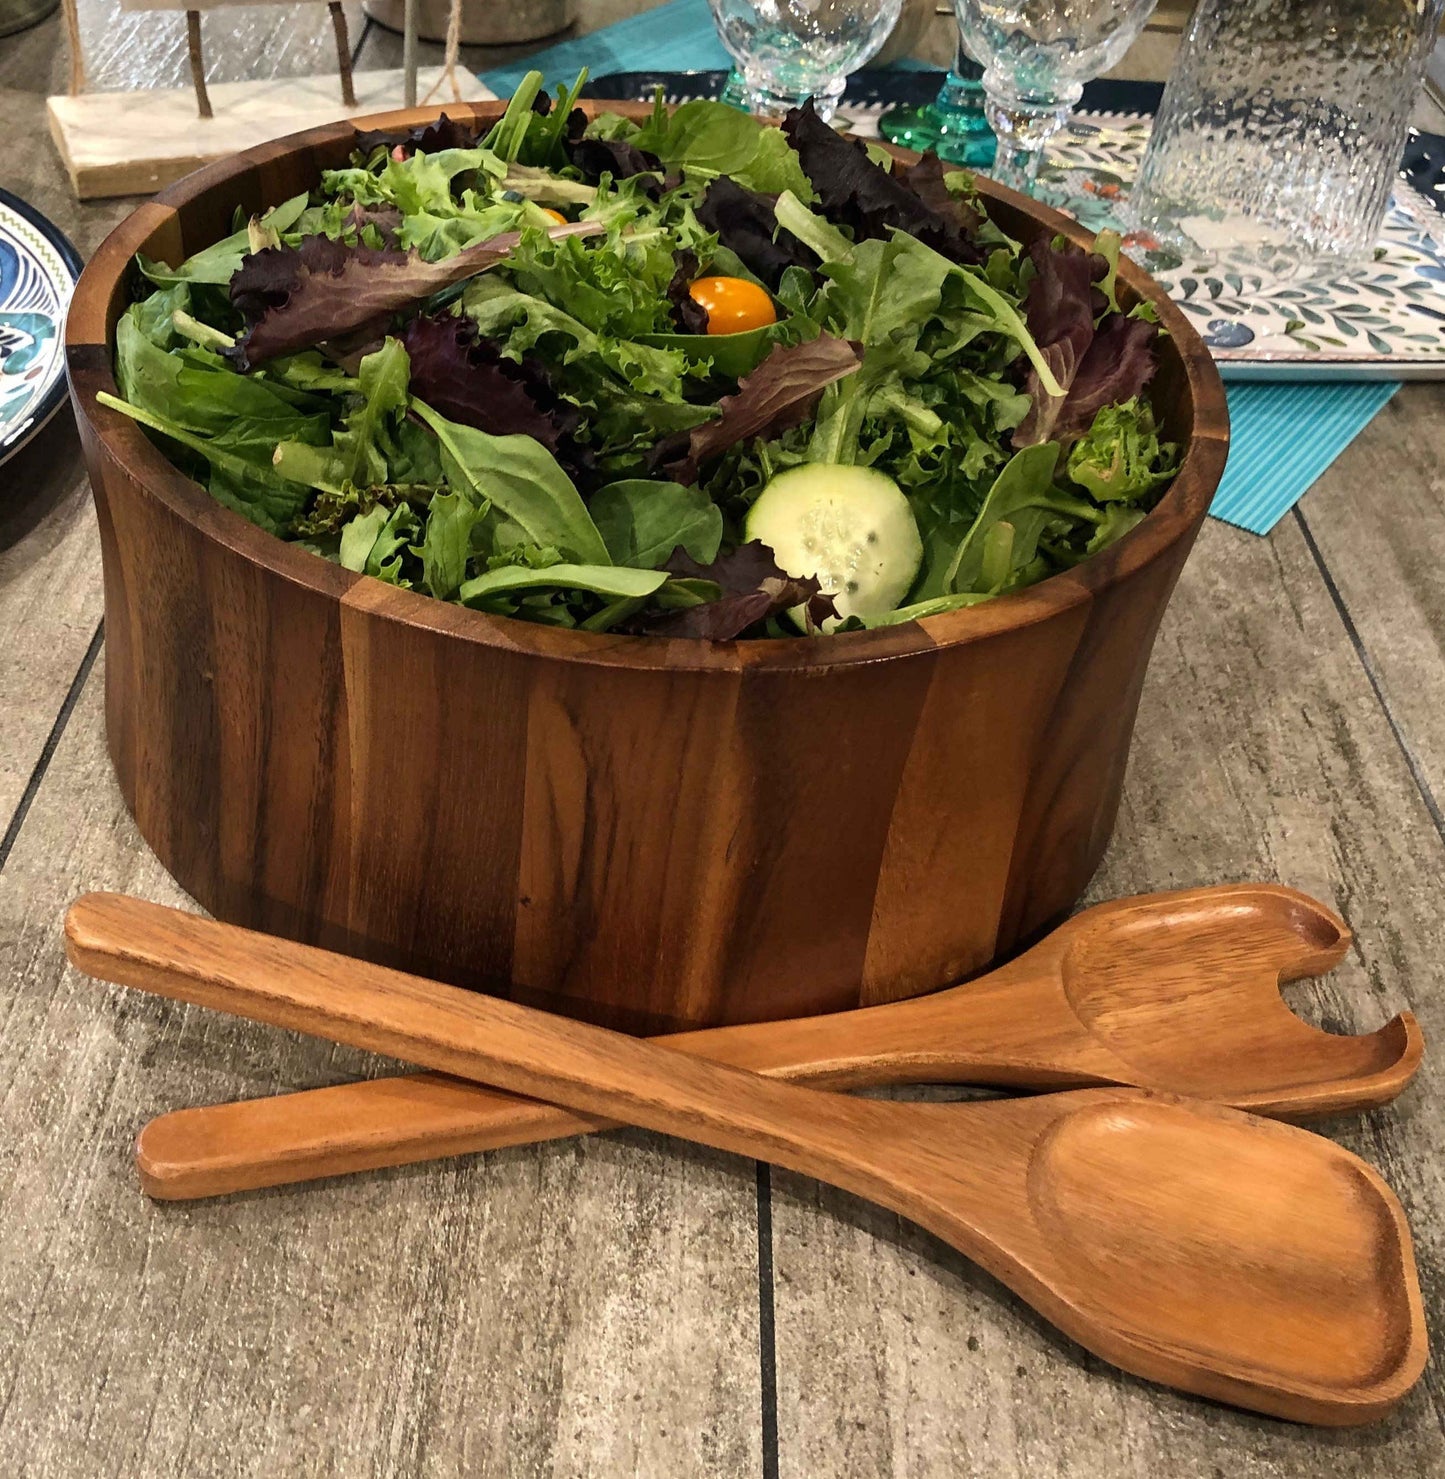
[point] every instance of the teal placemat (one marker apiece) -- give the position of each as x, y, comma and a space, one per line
1281, 438
673, 37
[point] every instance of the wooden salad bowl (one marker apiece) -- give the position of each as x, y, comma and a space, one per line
652, 833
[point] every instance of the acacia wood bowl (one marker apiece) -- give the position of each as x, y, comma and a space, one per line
654, 834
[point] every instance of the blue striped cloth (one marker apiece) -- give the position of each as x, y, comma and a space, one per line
671, 38
1282, 437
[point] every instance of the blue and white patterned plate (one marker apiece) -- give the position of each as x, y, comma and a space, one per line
38, 269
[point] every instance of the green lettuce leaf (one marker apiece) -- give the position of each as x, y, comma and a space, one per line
1121, 458
522, 480
447, 543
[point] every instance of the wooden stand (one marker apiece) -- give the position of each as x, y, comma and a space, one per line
133, 143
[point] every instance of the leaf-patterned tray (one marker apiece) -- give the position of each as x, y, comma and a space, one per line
1386, 322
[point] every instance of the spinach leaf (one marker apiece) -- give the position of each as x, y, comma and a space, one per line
201, 397
601, 580
522, 480
242, 475
642, 522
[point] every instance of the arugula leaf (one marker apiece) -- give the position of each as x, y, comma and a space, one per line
826, 242
521, 479
383, 377
1023, 495
643, 521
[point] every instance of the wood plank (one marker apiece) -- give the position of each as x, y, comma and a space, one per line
1377, 518
50, 594
492, 1317
128, 143
1261, 753
50, 590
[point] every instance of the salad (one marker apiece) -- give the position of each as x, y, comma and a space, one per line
694, 376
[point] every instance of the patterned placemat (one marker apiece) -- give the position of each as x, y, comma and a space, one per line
1384, 322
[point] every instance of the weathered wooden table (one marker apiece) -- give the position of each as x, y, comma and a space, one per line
628, 1305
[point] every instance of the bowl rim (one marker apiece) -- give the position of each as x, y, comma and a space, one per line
89, 349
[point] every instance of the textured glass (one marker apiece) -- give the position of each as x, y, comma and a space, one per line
792, 49
1282, 127
1037, 56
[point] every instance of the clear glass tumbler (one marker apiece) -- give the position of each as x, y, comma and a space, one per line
789, 50
1037, 56
1281, 129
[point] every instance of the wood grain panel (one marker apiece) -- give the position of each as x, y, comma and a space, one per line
450, 733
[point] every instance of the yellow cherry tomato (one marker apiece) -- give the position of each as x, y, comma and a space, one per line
557, 216
733, 304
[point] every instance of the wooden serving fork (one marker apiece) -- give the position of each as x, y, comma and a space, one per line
1191, 1244
1175, 991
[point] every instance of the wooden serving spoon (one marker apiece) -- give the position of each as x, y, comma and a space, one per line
1176, 991
1192, 1244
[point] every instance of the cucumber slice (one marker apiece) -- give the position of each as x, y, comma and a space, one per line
850, 526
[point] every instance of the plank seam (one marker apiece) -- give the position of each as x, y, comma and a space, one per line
52, 740
1362, 652
767, 1342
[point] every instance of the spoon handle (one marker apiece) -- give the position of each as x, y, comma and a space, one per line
170, 953
216, 1149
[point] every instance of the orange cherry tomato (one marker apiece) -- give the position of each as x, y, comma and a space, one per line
733, 304
557, 216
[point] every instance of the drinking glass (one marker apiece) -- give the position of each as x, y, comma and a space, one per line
1281, 129
789, 50
953, 125
1037, 55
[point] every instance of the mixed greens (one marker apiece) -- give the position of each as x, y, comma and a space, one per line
696, 376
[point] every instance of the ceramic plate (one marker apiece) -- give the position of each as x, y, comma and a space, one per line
38, 269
